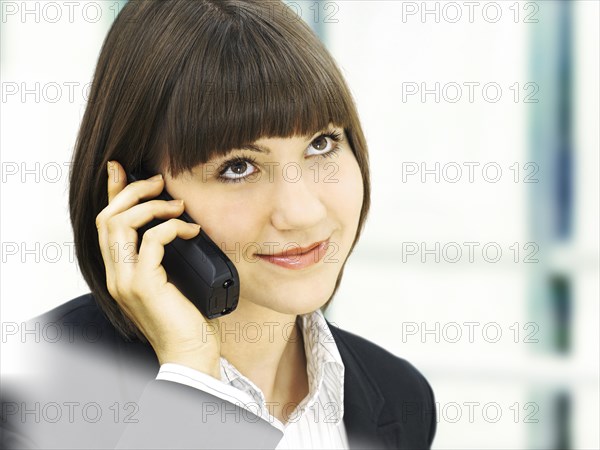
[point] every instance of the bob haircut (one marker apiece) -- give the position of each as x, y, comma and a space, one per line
184, 81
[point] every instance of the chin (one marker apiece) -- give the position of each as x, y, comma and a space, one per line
300, 295
295, 303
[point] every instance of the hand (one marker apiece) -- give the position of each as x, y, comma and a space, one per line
175, 328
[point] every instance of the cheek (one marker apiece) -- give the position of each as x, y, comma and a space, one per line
229, 222
346, 193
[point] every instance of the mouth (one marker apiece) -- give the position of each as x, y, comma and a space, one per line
298, 257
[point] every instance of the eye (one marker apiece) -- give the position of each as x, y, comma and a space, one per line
236, 169
326, 144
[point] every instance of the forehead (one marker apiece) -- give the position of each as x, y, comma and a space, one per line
277, 141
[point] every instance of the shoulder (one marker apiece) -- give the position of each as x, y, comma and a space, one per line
380, 363
79, 321
80, 309
407, 396
78, 330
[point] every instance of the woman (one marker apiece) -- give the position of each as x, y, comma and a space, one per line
244, 116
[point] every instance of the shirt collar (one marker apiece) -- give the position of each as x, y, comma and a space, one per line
325, 368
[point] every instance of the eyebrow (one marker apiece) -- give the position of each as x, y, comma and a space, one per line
262, 149
253, 148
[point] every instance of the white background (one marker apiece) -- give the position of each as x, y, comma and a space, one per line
380, 48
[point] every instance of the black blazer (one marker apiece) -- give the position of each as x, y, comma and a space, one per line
387, 402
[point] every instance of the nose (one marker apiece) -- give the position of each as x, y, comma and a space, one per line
297, 200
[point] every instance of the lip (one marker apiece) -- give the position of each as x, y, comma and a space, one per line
298, 258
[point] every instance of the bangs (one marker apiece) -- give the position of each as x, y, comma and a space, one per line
245, 79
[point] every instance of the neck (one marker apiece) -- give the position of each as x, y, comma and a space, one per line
268, 348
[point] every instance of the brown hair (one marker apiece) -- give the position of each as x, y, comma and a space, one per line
186, 80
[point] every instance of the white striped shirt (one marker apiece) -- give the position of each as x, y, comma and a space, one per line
317, 421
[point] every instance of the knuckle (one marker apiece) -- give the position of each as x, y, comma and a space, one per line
151, 234
99, 220
174, 222
111, 287
112, 224
122, 288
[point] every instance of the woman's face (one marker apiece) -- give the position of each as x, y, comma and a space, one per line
297, 192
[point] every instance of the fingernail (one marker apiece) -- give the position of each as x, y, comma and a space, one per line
157, 177
176, 202
109, 166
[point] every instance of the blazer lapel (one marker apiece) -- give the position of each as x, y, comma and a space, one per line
365, 424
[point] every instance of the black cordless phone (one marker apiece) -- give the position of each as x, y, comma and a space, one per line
197, 266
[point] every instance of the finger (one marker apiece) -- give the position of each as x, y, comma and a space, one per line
120, 256
142, 213
119, 238
116, 179
118, 230
153, 241
132, 194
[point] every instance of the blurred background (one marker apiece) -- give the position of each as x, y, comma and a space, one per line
479, 263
